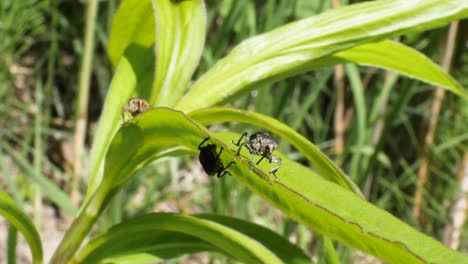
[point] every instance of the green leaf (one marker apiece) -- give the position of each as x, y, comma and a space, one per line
294, 48
329, 209
320, 161
133, 77
133, 24
12, 242
180, 36
361, 119
161, 232
285, 250
147, 238
397, 57
136, 258
329, 254
298, 191
21, 222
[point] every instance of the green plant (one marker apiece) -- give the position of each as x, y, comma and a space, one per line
324, 199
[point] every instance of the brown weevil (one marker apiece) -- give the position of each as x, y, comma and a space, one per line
260, 144
135, 107
210, 160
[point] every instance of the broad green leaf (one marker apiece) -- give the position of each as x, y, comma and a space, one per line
133, 24
21, 222
338, 213
320, 161
180, 38
171, 235
136, 258
132, 77
297, 191
294, 48
397, 57
286, 251
142, 237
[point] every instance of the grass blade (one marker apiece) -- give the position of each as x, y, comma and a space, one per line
21, 222
48, 187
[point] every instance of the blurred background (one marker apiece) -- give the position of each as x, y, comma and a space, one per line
41, 51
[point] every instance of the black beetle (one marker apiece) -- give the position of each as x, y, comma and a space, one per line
261, 144
210, 160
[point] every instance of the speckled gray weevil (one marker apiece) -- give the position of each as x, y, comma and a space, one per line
261, 144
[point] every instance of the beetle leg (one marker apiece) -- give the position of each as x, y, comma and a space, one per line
224, 171
252, 152
238, 150
199, 146
230, 163
219, 175
249, 147
245, 134
219, 154
277, 161
274, 170
258, 162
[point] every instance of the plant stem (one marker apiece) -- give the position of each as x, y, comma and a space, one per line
83, 94
453, 231
81, 226
433, 119
380, 130
339, 122
38, 154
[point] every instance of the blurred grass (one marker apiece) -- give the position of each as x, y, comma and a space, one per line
40, 56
